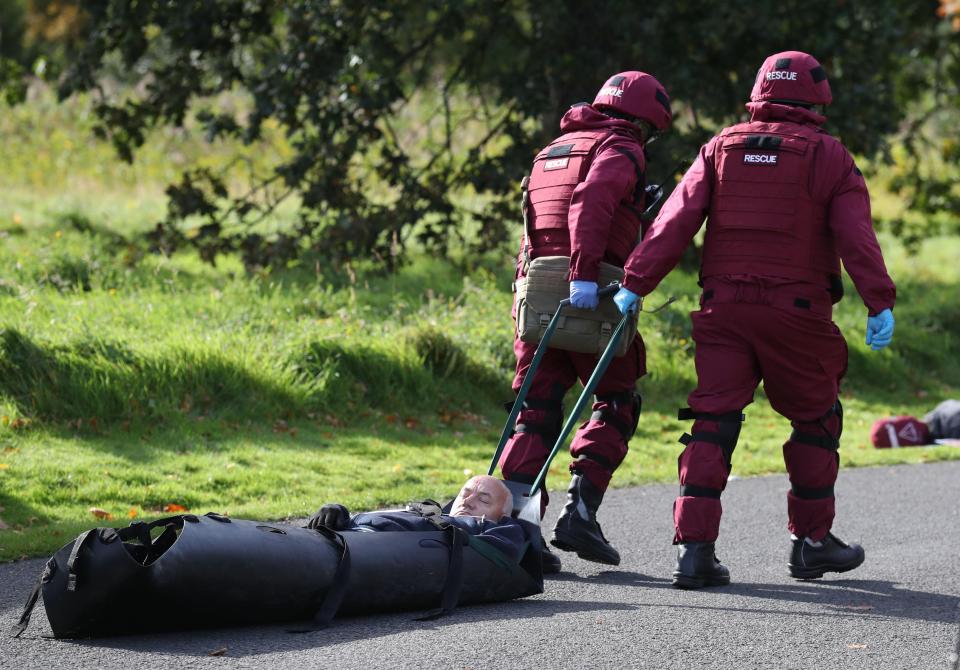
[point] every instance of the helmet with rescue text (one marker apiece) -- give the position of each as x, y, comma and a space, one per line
792, 78
636, 97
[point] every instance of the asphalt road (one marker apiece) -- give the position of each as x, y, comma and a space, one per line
901, 609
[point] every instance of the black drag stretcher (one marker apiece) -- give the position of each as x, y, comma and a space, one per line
204, 571
191, 571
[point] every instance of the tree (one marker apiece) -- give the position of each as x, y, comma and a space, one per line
341, 78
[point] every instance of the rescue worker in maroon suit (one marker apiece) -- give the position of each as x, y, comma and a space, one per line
785, 203
586, 194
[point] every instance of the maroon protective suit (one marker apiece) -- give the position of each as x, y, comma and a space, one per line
785, 203
586, 197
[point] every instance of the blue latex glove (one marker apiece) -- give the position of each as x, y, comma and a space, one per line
880, 330
626, 300
583, 294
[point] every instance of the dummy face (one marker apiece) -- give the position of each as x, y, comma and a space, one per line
481, 496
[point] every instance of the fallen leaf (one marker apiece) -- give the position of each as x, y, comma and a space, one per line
217, 652
101, 513
174, 507
4, 466
133, 513
391, 418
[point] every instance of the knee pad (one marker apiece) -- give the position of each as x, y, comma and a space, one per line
725, 435
621, 410
823, 432
541, 417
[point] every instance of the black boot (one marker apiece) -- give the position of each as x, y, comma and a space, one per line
698, 566
549, 561
809, 561
577, 528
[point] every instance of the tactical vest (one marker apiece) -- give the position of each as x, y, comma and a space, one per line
557, 170
763, 219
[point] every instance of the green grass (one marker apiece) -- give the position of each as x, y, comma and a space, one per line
130, 382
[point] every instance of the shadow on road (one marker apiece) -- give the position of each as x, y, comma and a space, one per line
839, 597
253, 641
613, 577
862, 597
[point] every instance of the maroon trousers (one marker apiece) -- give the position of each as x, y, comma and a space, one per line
743, 336
600, 444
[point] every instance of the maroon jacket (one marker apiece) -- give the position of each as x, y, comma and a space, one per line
592, 216
836, 188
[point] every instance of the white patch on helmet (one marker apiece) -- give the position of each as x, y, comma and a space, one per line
611, 90
781, 74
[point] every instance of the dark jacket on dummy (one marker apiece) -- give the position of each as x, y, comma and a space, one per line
203, 571
508, 536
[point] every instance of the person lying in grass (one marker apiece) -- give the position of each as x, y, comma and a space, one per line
482, 508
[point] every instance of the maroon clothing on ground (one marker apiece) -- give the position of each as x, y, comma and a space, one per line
760, 320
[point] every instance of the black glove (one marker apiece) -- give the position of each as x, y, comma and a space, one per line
332, 516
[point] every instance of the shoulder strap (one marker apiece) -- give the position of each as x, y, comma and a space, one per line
524, 208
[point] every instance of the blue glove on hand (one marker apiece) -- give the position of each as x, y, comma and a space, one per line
583, 294
880, 330
626, 300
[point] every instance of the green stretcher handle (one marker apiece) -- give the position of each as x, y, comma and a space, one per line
534, 364
588, 389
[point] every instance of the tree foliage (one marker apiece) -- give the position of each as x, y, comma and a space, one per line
414, 119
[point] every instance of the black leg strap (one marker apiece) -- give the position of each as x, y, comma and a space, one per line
550, 425
454, 582
608, 415
548, 431
726, 441
828, 442
805, 493
686, 414
695, 491
621, 397
598, 459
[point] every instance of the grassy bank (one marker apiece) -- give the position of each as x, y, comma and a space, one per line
133, 383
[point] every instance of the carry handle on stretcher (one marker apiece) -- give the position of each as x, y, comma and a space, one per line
535, 363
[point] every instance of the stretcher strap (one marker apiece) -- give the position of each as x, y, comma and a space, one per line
333, 598
74, 554
454, 582
24, 620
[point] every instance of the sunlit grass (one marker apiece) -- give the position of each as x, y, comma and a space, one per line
131, 382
